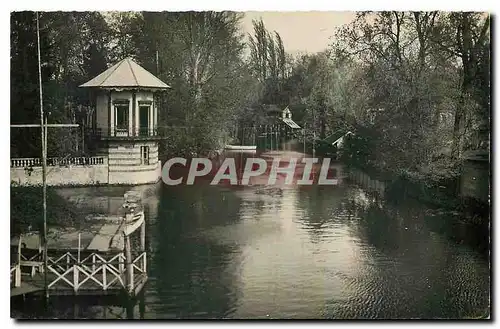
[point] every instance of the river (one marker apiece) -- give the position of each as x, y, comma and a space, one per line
303, 252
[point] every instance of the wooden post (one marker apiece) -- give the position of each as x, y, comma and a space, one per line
130, 268
79, 243
43, 123
121, 266
17, 278
75, 277
17, 271
18, 261
143, 236
104, 281
143, 244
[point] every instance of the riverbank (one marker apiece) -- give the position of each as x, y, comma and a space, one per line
463, 220
442, 194
434, 188
77, 208
27, 210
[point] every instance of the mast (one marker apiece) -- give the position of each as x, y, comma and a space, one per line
43, 129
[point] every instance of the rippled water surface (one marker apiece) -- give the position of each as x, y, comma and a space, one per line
309, 252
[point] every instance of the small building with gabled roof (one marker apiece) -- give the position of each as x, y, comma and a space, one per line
278, 130
286, 116
125, 121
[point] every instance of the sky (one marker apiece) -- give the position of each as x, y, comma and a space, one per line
301, 31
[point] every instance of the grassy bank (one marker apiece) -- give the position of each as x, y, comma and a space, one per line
435, 182
439, 193
435, 191
27, 210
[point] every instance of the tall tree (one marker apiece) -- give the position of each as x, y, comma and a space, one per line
268, 62
200, 53
409, 80
465, 36
73, 47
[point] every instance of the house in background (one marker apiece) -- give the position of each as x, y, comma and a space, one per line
278, 130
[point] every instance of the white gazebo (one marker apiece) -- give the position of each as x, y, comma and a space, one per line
126, 107
125, 120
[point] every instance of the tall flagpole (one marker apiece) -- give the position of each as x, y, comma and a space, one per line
44, 161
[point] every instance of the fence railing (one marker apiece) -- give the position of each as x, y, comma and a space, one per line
71, 161
90, 272
94, 270
125, 132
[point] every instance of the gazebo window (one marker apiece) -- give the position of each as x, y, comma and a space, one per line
121, 115
144, 117
145, 155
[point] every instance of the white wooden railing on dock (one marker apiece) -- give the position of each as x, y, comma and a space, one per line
87, 271
95, 271
71, 161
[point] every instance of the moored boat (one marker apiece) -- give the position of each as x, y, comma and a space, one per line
133, 222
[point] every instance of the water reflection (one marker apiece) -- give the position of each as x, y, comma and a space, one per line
300, 252
78, 307
188, 273
411, 271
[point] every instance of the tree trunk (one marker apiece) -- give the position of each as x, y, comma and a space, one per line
322, 132
457, 137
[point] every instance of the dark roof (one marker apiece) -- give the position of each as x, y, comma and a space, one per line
125, 73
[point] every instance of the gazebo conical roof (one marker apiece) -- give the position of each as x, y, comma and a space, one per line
126, 74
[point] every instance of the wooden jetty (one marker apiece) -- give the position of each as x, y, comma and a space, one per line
107, 265
241, 148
